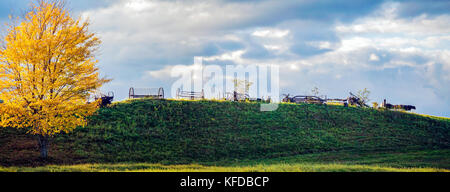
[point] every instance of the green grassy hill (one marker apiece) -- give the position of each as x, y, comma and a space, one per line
184, 132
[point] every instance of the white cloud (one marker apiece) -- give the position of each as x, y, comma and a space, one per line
166, 72
271, 33
273, 47
235, 56
374, 57
321, 44
355, 43
139, 5
274, 40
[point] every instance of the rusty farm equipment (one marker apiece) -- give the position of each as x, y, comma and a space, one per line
240, 97
343, 102
352, 100
303, 99
149, 93
397, 107
192, 95
235, 96
105, 99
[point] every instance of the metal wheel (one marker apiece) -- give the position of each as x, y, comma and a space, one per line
161, 93
131, 93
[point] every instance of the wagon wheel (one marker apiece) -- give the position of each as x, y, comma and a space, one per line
161, 93
178, 93
131, 93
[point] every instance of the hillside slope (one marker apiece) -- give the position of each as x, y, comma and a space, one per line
205, 131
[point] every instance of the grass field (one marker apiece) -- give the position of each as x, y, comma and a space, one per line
154, 135
418, 161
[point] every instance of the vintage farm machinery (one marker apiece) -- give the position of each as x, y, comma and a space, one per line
235, 96
192, 95
152, 93
240, 97
105, 99
303, 99
398, 107
352, 100
343, 102
355, 100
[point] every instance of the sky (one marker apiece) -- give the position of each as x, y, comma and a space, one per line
399, 50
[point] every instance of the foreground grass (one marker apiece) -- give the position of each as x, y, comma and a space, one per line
144, 167
411, 161
439, 159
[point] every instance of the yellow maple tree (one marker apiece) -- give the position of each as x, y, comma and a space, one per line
47, 72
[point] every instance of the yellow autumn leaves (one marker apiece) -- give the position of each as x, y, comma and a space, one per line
47, 71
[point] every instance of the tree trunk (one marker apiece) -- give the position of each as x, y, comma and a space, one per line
43, 145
